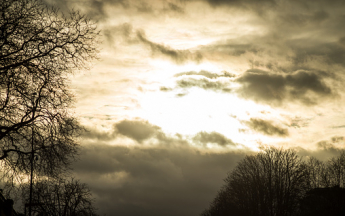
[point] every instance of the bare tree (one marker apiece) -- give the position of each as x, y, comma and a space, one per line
336, 171
61, 198
270, 183
318, 173
39, 49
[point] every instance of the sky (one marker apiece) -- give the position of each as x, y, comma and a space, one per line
184, 89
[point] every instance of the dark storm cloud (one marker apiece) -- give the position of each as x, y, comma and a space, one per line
207, 74
214, 138
275, 89
179, 56
138, 130
266, 127
153, 181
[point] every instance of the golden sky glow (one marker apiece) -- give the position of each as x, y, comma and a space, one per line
181, 84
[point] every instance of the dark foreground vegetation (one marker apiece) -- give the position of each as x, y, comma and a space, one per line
278, 182
39, 50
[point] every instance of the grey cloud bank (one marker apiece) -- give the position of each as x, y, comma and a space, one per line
162, 181
155, 181
302, 86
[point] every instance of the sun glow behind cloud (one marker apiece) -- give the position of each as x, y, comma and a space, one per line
200, 110
234, 39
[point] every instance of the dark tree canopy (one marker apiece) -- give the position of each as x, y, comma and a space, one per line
267, 184
39, 49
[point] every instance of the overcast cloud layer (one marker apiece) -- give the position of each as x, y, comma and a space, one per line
184, 89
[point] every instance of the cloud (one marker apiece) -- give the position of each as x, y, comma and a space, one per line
292, 35
231, 48
305, 49
165, 89
92, 133
253, 5
204, 84
175, 8
214, 138
337, 139
266, 127
141, 130
239, 2
299, 122
206, 74
339, 126
325, 149
138, 130
178, 56
202, 79
153, 181
124, 30
306, 87
303, 86
95, 9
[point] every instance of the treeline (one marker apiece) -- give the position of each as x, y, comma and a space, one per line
278, 182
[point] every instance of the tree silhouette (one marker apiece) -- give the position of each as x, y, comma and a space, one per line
270, 183
318, 173
336, 171
61, 198
223, 205
327, 174
39, 49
